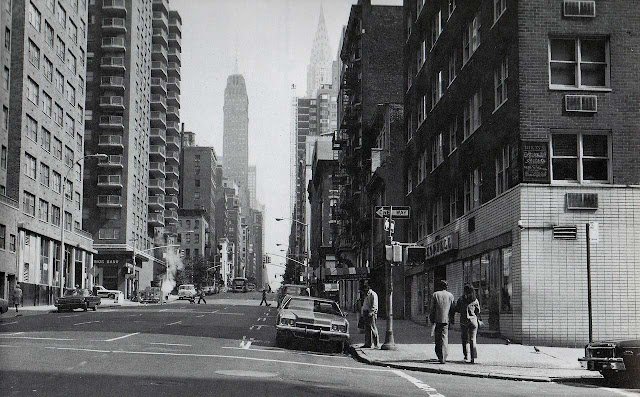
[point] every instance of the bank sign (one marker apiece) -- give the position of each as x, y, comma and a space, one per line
441, 246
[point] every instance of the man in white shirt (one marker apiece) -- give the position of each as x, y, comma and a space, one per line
370, 313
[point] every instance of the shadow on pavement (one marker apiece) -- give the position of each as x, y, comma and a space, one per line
629, 382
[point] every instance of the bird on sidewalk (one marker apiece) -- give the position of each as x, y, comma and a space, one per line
536, 349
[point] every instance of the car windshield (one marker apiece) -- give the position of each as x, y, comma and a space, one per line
76, 292
295, 291
314, 306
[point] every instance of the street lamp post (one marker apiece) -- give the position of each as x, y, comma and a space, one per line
62, 217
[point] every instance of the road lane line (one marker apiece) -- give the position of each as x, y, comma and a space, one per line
87, 322
13, 333
177, 322
121, 337
34, 338
254, 349
15, 322
70, 315
169, 344
202, 315
418, 383
232, 314
78, 349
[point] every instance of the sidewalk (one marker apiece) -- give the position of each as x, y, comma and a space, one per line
496, 358
34, 310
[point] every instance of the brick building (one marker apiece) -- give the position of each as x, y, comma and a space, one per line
519, 130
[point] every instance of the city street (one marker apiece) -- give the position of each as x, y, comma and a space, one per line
223, 348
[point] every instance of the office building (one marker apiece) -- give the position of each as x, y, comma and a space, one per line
236, 134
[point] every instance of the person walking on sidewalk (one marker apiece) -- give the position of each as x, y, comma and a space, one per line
440, 314
202, 296
370, 313
469, 307
264, 298
17, 296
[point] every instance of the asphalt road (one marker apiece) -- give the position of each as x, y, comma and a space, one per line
223, 348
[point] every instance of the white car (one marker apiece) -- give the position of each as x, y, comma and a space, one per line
187, 291
106, 293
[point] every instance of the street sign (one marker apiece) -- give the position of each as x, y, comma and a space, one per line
399, 212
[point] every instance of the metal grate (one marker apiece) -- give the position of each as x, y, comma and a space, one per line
580, 9
581, 103
582, 201
565, 232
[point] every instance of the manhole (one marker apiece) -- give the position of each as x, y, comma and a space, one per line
247, 374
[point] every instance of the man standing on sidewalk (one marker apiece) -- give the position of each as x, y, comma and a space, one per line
17, 296
440, 315
370, 313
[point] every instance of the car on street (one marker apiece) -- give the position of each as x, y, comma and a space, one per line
77, 298
292, 289
4, 305
311, 318
187, 291
251, 287
615, 359
105, 293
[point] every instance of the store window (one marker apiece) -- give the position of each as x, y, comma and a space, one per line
507, 281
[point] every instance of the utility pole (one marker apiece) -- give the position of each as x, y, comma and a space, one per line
389, 343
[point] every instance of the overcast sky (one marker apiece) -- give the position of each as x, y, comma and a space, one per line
272, 39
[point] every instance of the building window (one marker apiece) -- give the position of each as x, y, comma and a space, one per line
409, 126
48, 34
578, 63
437, 88
5, 118
507, 281
5, 79
77, 200
47, 104
422, 110
453, 134
503, 161
437, 151
57, 148
3, 236
472, 114
500, 83
452, 6
44, 174
43, 211
55, 215
436, 214
452, 65
57, 115
48, 69
62, 16
69, 125
59, 82
29, 203
72, 62
472, 190
580, 157
35, 18
68, 221
71, 94
436, 27
409, 24
68, 156
409, 182
499, 7
34, 54
60, 47
419, 5
30, 166
68, 189
3, 157
453, 204
421, 166
7, 39
33, 91
57, 182
45, 139
471, 38
73, 31
421, 54
44, 261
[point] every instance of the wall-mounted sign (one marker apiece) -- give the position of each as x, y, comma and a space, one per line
445, 244
535, 162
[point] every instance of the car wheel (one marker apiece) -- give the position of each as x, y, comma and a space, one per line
280, 340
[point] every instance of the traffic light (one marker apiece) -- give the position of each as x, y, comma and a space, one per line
416, 254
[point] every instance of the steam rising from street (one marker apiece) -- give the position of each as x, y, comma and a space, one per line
173, 264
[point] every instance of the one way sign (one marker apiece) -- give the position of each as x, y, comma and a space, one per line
395, 212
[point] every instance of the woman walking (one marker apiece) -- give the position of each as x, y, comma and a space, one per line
469, 308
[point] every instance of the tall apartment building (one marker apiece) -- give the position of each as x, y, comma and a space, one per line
118, 190
371, 56
252, 185
199, 180
42, 140
519, 123
234, 225
236, 134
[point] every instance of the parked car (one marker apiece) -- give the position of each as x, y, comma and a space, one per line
614, 359
105, 293
312, 319
187, 291
77, 298
251, 287
292, 289
4, 305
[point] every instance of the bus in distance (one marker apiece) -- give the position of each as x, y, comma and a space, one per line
239, 284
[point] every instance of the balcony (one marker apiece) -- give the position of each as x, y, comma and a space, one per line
173, 156
110, 141
158, 102
157, 152
173, 142
156, 219
170, 216
158, 86
113, 43
114, 122
172, 187
112, 181
112, 82
159, 53
112, 102
172, 171
160, 36
175, 40
112, 63
173, 128
114, 7
171, 201
173, 99
160, 20
174, 69
173, 84
156, 202
158, 136
175, 25
158, 120
156, 185
156, 169
109, 201
161, 5
117, 25
174, 55
113, 161
158, 69
173, 113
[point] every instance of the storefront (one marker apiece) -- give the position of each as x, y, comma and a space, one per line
348, 280
116, 272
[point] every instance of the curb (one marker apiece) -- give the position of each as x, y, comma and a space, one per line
363, 359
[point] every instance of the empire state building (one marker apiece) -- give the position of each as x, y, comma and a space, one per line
236, 132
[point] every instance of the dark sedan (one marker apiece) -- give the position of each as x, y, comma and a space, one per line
78, 298
614, 359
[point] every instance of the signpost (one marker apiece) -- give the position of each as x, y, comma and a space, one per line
386, 211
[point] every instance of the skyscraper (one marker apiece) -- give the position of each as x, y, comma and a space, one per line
319, 68
236, 134
253, 200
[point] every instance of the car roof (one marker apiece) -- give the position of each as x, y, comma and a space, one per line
312, 298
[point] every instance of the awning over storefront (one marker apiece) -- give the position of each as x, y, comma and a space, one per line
347, 273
